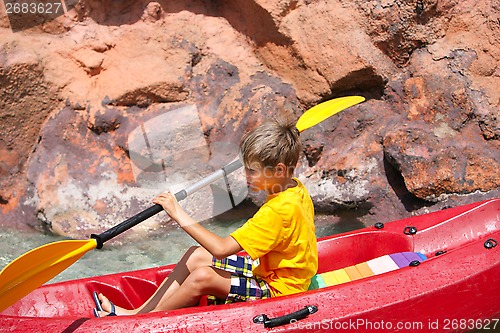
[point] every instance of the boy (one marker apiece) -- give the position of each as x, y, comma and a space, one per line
279, 239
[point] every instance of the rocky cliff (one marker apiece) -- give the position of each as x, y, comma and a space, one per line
74, 88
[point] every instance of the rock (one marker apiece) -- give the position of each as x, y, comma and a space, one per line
105, 120
90, 60
26, 100
153, 12
86, 189
433, 165
440, 140
79, 89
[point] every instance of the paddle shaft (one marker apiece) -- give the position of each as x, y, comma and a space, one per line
155, 209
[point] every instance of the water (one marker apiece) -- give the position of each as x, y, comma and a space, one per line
149, 252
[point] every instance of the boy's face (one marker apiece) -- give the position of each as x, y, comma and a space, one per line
262, 178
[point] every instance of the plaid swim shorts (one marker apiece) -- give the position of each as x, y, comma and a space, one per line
244, 285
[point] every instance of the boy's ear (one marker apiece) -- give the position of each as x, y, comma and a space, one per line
281, 170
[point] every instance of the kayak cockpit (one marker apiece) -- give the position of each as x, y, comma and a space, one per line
359, 247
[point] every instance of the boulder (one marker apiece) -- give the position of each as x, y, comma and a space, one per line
90, 100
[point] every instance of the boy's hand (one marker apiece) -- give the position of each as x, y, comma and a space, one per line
170, 204
217, 246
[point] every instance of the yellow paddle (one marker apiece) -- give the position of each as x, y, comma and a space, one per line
322, 111
34, 268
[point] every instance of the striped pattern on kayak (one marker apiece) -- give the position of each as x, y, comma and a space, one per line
380, 265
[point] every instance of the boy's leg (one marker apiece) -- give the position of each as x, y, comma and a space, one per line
194, 258
244, 285
202, 281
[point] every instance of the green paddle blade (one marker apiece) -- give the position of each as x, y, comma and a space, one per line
38, 266
322, 111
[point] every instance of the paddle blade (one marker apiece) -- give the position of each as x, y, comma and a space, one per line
322, 111
34, 268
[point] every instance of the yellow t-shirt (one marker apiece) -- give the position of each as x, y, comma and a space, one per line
281, 235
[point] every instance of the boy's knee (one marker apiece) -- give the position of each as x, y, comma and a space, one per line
198, 257
202, 278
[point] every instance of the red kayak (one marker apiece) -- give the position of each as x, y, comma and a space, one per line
438, 272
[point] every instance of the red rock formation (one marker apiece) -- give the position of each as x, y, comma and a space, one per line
74, 88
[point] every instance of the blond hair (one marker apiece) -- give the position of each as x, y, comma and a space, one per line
275, 141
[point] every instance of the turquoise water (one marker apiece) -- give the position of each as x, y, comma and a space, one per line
136, 254
131, 255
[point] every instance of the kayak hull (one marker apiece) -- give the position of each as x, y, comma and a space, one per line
457, 291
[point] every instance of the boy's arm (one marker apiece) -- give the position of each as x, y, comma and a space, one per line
219, 247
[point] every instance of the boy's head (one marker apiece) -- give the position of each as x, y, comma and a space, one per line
275, 141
